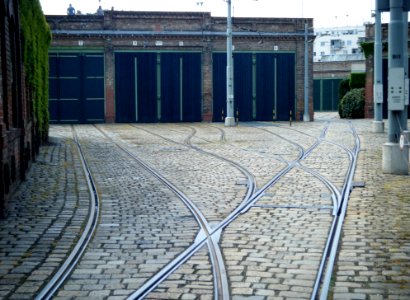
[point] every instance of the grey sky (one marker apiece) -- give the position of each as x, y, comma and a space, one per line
326, 13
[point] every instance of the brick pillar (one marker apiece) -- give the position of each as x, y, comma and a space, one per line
369, 103
109, 83
207, 85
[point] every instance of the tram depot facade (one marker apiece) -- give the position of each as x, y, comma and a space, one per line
171, 67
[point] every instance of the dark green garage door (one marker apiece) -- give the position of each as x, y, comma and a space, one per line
326, 94
158, 87
136, 87
264, 86
76, 88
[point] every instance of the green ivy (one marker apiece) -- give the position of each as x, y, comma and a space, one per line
368, 48
357, 80
36, 38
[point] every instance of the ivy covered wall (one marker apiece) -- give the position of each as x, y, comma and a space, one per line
36, 38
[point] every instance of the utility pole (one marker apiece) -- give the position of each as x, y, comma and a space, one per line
230, 119
378, 124
306, 116
395, 157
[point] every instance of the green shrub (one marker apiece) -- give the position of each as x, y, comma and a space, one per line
352, 104
357, 80
344, 87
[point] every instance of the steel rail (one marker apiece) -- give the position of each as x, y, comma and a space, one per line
340, 200
251, 179
222, 138
339, 211
244, 207
330, 252
221, 287
301, 149
67, 267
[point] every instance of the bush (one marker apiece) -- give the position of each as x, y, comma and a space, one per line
352, 104
344, 88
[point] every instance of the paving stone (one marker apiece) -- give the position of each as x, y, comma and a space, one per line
271, 252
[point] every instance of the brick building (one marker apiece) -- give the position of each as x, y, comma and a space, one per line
171, 66
17, 138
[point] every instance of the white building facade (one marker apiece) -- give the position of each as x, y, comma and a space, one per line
338, 44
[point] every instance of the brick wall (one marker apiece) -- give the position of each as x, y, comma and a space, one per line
16, 130
136, 31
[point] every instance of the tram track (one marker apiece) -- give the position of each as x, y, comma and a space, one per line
330, 252
48, 291
251, 182
339, 203
325, 271
209, 235
205, 236
340, 200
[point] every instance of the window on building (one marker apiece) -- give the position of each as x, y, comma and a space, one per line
336, 44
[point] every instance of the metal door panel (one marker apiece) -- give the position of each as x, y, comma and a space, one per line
192, 87
243, 86
265, 87
171, 87
219, 87
285, 86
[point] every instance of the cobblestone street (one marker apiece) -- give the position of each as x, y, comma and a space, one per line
231, 212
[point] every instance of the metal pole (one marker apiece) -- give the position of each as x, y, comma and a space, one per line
306, 116
395, 61
229, 120
395, 159
406, 70
378, 125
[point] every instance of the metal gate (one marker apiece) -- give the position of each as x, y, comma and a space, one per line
76, 88
264, 86
158, 87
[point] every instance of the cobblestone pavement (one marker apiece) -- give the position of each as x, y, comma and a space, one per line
271, 251
45, 218
374, 257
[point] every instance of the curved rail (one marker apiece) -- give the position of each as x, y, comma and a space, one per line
221, 290
187, 142
340, 200
66, 268
337, 229
208, 235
